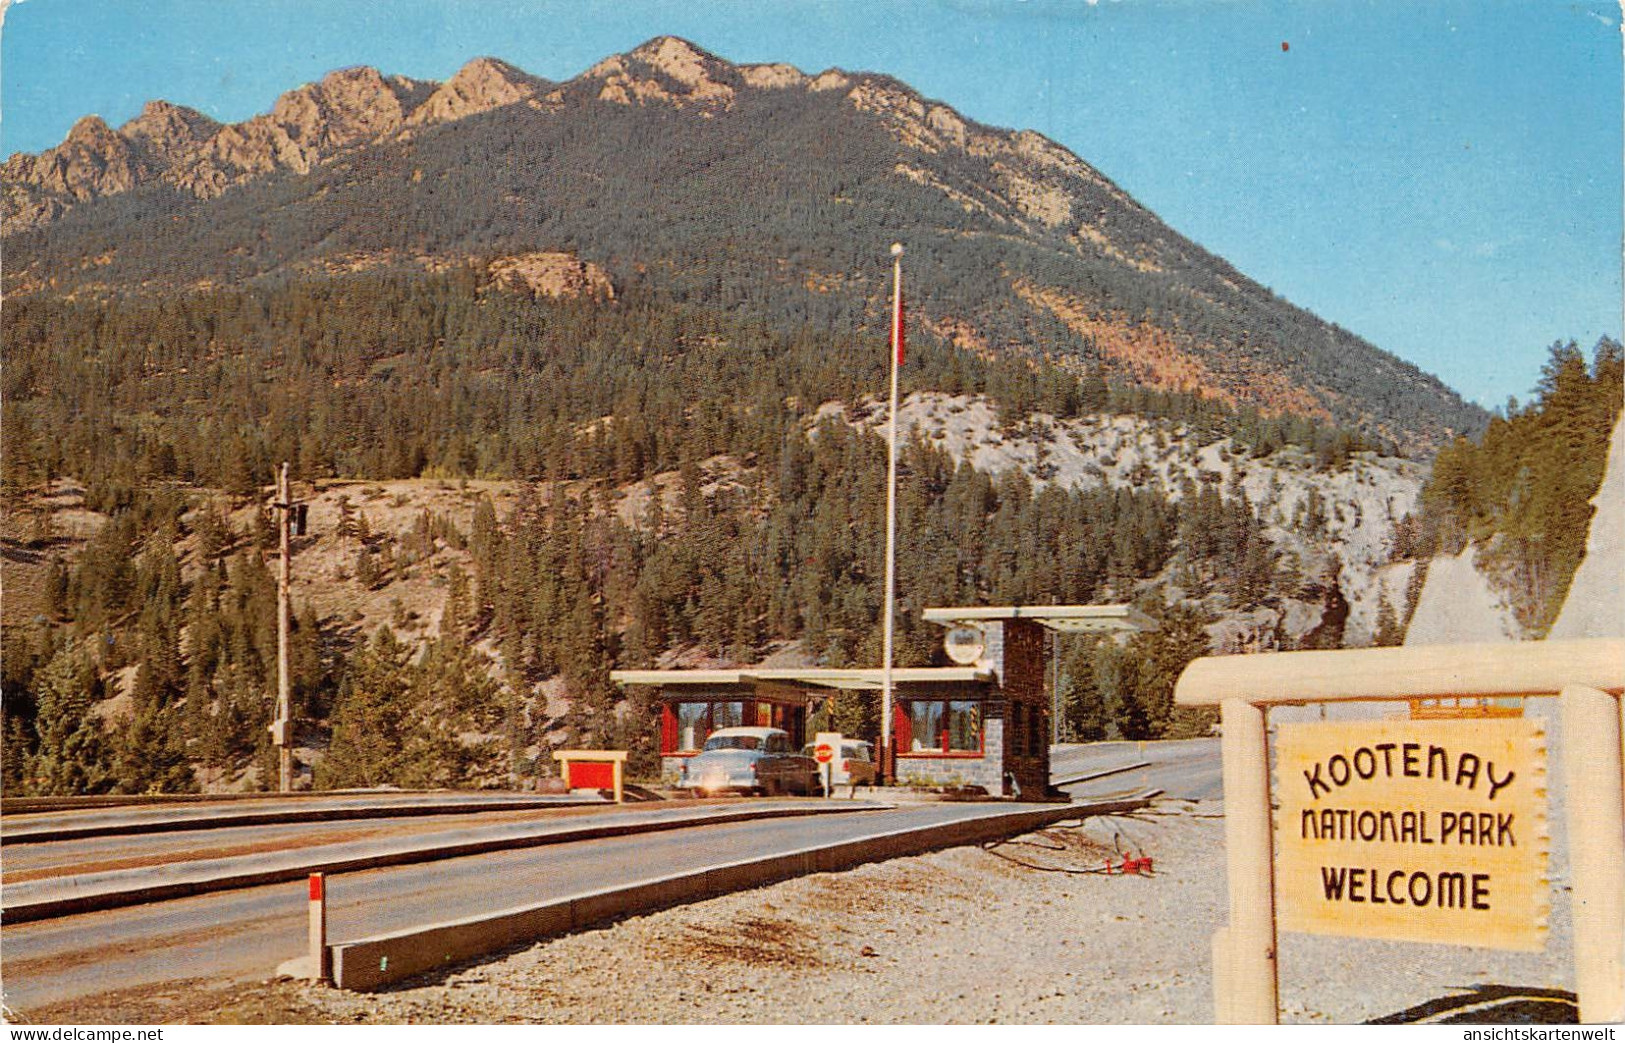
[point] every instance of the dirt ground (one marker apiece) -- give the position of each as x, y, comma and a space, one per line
1029, 931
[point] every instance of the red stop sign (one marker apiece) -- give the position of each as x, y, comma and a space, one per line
823, 753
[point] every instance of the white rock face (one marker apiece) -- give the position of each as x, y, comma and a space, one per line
1595, 606
1458, 606
1361, 502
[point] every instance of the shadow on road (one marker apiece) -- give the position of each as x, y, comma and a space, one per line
1492, 1005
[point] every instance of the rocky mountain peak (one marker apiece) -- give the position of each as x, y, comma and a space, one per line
672, 54
667, 69
90, 131
348, 104
91, 161
1056, 245
306, 125
479, 86
167, 130
774, 75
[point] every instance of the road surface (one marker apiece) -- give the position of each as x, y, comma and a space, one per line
77, 857
244, 934
1186, 769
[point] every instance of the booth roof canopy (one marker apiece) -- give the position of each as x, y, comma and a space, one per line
868, 678
1068, 619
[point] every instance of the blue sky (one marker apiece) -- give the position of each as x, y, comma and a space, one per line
1442, 178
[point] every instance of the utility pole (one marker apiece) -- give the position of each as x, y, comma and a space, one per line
282, 727
888, 756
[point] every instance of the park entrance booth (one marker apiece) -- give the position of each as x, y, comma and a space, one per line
695, 703
985, 721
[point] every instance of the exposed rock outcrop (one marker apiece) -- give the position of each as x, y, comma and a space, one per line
480, 86
1458, 604
165, 134
307, 125
667, 69
175, 144
1346, 547
550, 274
93, 160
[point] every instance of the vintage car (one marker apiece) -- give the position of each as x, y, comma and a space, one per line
854, 763
749, 760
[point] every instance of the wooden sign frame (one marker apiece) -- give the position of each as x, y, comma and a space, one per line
1587, 676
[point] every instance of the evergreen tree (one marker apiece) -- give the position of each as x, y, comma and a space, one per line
72, 754
371, 718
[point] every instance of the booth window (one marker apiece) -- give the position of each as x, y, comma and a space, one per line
696, 721
944, 726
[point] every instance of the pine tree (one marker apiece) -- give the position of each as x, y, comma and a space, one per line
73, 754
150, 754
1084, 714
371, 718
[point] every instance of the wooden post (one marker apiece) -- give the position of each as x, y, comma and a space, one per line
1247, 947
1224, 989
320, 971
1596, 823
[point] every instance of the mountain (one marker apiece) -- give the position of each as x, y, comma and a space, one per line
741, 189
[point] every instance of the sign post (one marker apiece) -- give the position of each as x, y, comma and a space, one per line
1246, 952
1390, 829
1592, 729
826, 745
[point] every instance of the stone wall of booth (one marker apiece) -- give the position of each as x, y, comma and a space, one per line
1026, 733
986, 771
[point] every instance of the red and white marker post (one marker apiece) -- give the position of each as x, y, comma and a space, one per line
318, 926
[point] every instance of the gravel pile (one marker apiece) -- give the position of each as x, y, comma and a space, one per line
1025, 932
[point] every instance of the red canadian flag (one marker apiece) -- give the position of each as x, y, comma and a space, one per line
897, 322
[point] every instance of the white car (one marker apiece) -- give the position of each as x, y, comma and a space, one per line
749, 760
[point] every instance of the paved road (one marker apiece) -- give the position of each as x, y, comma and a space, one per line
167, 816
1188, 768
33, 861
244, 934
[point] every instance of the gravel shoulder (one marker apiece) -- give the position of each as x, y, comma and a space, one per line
1027, 931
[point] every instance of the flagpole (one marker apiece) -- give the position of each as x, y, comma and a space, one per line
888, 756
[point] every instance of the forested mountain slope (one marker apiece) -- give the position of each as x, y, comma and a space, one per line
1522, 495
582, 376
752, 189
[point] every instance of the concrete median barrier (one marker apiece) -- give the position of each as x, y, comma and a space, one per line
375, 962
612, 902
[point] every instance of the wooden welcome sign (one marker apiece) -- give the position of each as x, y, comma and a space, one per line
1427, 831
